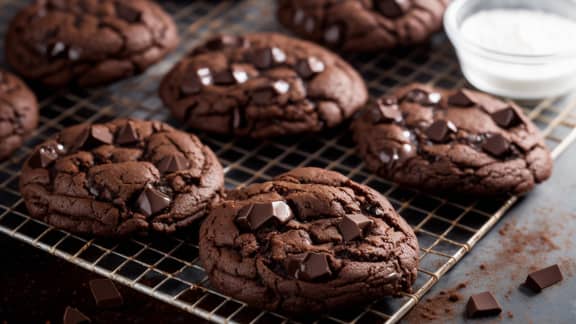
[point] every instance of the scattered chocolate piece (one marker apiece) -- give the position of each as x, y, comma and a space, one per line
496, 144
393, 8
152, 201
315, 266
354, 226
105, 293
506, 118
253, 216
441, 130
264, 58
74, 316
173, 163
268, 94
309, 67
481, 305
127, 13
388, 111
543, 278
127, 134
461, 99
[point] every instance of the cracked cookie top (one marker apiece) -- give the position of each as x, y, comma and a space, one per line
88, 42
460, 140
18, 113
262, 85
363, 25
309, 240
121, 177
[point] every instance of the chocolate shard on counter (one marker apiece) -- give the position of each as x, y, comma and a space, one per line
482, 305
543, 278
105, 293
74, 316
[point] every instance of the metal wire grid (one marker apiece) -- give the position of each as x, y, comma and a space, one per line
168, 268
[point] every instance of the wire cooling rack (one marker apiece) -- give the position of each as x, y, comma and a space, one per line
168, 268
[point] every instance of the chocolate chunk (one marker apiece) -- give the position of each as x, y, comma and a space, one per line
152, 201
292, 263
57, 50
101, 134
264, 58
333, 35
461, 99
309, 67
506, 118
422, 97
127, 134
232, 75
353, 226
172, 163
314, 267
388, 111
496, 144
127, 13
543, 278
393, 8
45, 156
224, 41
268, 94
441, 130
105, 293
253, 216
74, 316
483, 304
195, 80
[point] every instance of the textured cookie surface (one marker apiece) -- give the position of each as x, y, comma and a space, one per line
461, 140
262, 85
308, 241
363, 25
18, 113
126, 176
88, 42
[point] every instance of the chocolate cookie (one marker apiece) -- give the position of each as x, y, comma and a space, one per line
308, 241
121, 177
461, 140
18, 113
262, 85
88, 42
363, 25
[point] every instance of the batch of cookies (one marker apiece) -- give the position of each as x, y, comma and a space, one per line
307, 241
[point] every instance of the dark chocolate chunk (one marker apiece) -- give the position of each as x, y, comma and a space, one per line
224, 41
496, 144
461, 99
268, 94
543, 278
152, 201
232, 75
388, 111
45, 156
172, 163
309, 67
506, 118
74, 316
441, 130
127, 134
253, 216
422, 97
243, 216
393, 8
483, 304
105, 293
293, 263
57, 50
264, 58
127, 13
315, 266
353, 226
101, 134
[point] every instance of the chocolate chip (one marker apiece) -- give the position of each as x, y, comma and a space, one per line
224, 41
481, 305
422, 97
393, 8
506, 118
57, 50
105, 293
230, 76
74, 316
152, 201
74, 54
194, 80
173, 163
127, 13
314, 267
253, 216
45, 155
353, 226
101, 134
292, 263
461, 98
496, 144
388, 155
387, 110
309, 67
127, 134
333, 35
269, 94
441, 130
543, 278
264, 58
